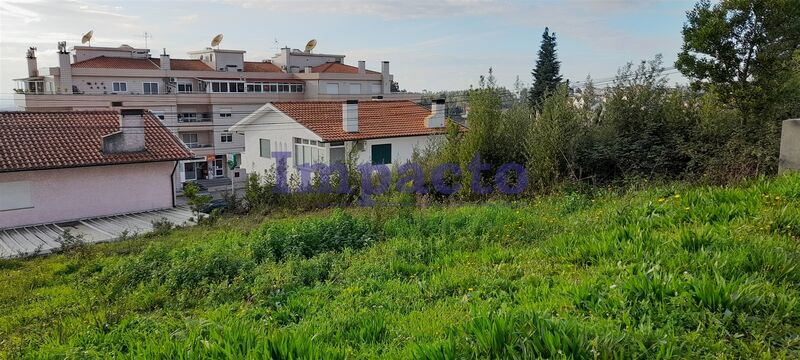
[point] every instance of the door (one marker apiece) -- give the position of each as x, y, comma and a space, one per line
219, 167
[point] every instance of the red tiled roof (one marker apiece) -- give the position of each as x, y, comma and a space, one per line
52, 140
252, 66
186, 64
376, 119
339, 68
106, 62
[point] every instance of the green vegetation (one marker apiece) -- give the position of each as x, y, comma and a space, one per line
546, 74
665, 271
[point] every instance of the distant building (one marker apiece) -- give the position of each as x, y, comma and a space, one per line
64, 166
324, 132
199, 97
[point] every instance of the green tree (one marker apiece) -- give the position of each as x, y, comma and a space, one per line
546, 77
742, 50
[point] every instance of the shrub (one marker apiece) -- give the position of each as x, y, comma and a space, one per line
311, 237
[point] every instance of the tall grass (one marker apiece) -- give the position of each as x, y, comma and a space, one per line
660, 272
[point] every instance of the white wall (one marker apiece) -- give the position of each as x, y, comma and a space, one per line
281, 131
103, 85
402, 147
344, 86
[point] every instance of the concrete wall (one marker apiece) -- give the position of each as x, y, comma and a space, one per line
70, 194
790, 146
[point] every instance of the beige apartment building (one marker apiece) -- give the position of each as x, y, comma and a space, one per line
198, 97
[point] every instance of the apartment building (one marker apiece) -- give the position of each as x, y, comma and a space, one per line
198, 97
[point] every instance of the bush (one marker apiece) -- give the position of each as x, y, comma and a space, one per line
311, 237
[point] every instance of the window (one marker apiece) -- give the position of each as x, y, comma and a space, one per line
376, 88
15, 195
332, 89
382, 154
308, 152
355, 88
184, 88
265, 151
337, 152
215, 87
226, 137
119, 86
150, 88
190, 139
235, 87
224, 112
159, 115
190, 171
187, 117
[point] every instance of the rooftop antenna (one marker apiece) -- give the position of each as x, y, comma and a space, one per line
216, 40
87, 38
147, 35
311, 45
276, 44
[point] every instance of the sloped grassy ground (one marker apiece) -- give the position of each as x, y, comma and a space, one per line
661, 272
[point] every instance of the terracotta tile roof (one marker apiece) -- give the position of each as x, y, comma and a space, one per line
376, 119
52, 140
252, 66
106, 62
339, 68
185, 64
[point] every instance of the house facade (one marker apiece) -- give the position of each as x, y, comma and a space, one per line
325, 132
67, 166
197, 97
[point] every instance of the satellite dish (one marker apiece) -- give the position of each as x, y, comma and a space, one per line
87, 37
216, 40
311, 45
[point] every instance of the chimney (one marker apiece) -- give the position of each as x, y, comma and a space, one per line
436, 118
64, 69
308, 70
362, 67
350, 116
386, 80
130, 138
164, 62
33, 69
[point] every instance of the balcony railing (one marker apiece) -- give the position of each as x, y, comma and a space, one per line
194, 117
198, 146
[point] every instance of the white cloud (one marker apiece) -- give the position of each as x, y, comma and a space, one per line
9, 9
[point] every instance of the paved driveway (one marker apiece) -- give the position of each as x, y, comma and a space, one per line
43, 239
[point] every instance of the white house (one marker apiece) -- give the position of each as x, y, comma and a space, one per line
311, 132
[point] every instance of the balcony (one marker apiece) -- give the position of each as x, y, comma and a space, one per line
194, 117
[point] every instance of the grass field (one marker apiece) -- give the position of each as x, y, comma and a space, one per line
666, 271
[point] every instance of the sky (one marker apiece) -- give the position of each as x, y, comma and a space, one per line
431, 44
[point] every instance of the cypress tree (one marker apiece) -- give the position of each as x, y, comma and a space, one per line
546, 75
